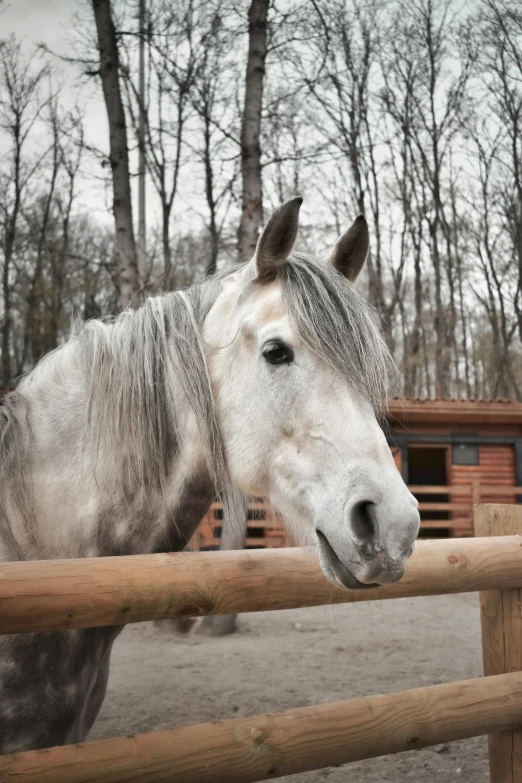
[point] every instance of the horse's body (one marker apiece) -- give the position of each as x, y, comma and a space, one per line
52, 685
116, 443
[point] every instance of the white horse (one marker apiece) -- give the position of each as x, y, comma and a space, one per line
269, 378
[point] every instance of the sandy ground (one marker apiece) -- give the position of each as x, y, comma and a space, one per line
293, 658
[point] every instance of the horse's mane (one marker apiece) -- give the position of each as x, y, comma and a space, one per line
130, 411
130, 403
14, 441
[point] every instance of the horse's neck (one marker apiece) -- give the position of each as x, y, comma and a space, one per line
76, 511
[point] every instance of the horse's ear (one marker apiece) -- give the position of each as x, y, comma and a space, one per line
351, 250
277, 240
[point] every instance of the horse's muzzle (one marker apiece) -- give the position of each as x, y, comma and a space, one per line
372, 549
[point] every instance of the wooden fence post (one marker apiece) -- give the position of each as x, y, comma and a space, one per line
501, 621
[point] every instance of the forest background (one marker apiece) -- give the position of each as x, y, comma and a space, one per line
144, 142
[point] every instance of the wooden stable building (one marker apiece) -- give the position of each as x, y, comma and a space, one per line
456, 453
451, 453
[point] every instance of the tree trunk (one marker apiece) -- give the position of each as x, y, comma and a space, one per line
165, 242
414, 346
33, 330
6, 326
125, 247
252, 203
10, 239
142, 225
211, 201
235, 523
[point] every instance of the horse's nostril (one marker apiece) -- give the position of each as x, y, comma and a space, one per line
362, 521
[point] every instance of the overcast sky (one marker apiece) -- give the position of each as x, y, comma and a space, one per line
54, 22
38, 19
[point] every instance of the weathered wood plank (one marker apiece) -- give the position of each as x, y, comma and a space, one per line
83, 593
489, 489
444, 506
449, 524
269, 746
439, 489
501, 621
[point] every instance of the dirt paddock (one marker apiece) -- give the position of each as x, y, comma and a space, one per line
294, 658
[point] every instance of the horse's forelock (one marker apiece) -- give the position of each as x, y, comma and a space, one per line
339, 326
337, 323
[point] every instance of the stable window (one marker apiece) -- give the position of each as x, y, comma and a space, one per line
465, 454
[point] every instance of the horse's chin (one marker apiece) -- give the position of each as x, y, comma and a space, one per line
334, 570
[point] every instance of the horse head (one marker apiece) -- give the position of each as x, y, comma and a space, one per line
299, 373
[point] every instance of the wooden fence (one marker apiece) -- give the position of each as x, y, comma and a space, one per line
82, 593
457, 513
455, 516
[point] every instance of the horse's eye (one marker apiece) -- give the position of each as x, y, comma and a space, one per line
277, 352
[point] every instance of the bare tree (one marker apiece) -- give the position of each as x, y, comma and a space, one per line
142, 167
409, 111
33, 348
500, 44
252, 192
492, 240
20, 109
213, 98
235, 521
405, 186
439, 102
342, 80
72, 147
175, 50
126, 258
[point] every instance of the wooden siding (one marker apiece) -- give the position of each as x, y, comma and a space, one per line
496, 467
265, 528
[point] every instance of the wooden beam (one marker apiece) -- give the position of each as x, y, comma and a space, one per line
269, 746
501, 621
444, 506
486, 489
446, 412
439, 489
449, 524
251, 542
84, 593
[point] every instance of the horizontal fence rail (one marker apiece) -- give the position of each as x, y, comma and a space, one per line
60, 594
464, 489
269, 746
